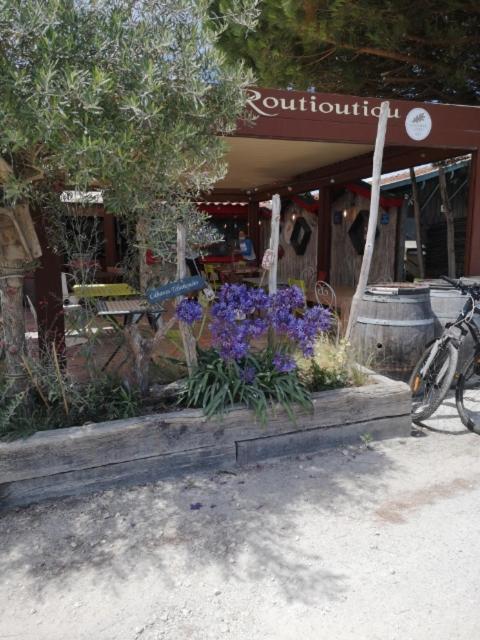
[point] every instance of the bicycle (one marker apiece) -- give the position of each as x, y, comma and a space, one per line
435, 371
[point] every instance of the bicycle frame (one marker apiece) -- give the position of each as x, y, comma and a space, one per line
462, 324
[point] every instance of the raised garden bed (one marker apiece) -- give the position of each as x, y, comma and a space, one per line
79, 460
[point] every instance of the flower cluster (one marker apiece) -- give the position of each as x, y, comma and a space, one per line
189, 311
242, 314
230, 335
248, 375
284, 363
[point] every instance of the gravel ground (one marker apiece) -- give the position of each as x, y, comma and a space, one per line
355, 543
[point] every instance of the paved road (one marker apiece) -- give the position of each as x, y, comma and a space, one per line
351, 544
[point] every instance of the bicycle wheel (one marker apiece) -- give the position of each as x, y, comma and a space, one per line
430, 387
467, 394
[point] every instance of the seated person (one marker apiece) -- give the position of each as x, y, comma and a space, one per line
246, 248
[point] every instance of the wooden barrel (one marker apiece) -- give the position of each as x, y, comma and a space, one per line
394, 324
447, 302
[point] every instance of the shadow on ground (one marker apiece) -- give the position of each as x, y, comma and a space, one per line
244, 523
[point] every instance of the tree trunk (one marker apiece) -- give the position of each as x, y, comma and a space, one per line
372, 218
189, 344
141, 349
418, 226
19, 246
447, 210
11, 294
274, 236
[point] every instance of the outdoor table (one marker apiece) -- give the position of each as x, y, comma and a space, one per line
263, 282
111, 290
132, 310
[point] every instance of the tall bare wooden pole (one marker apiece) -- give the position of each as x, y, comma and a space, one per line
274, 236
418, 226
372, 218
188, 340
447, 210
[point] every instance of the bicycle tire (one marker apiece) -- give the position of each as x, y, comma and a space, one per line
467, 395
423, 408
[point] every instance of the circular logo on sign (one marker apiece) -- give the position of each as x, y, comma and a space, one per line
418, 123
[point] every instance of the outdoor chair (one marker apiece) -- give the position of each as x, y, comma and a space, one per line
212, 275
326, 296
294, 282
308, 276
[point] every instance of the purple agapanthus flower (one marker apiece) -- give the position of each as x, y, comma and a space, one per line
243, 314
248, 374
189, 311
284, 363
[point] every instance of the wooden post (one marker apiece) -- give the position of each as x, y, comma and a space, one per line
372, 218
418, 225
49, 296
400, 250
472, 254
253, 228
188, 340
447, 210
111, 254
274, 236
324, 231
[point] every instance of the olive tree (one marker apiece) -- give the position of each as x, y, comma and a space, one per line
132, 97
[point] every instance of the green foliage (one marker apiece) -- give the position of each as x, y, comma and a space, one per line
218, 384
333, 366
52, 402
366, 47
129, 96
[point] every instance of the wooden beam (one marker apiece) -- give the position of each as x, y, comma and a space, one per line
349, 170
400, 244
49, 295
254, 228
448, 213
324, 231
111, 254
418, 223
472, 254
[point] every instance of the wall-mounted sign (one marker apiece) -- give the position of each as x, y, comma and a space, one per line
385, 218
300, 236
271, 105
174, 289
418, 124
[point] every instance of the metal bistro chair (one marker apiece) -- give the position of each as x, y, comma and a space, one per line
326, 296
309, 276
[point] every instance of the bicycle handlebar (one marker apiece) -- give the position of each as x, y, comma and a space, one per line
455, 282
472, 289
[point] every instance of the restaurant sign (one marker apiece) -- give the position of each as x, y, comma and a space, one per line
175, 289
271, 106
417, 122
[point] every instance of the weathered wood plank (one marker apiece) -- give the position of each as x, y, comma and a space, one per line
314, 440
77, 448
129, 473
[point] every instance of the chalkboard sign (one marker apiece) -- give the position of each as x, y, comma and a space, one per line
174, 289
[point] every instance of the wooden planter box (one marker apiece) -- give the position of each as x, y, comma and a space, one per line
78, 460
